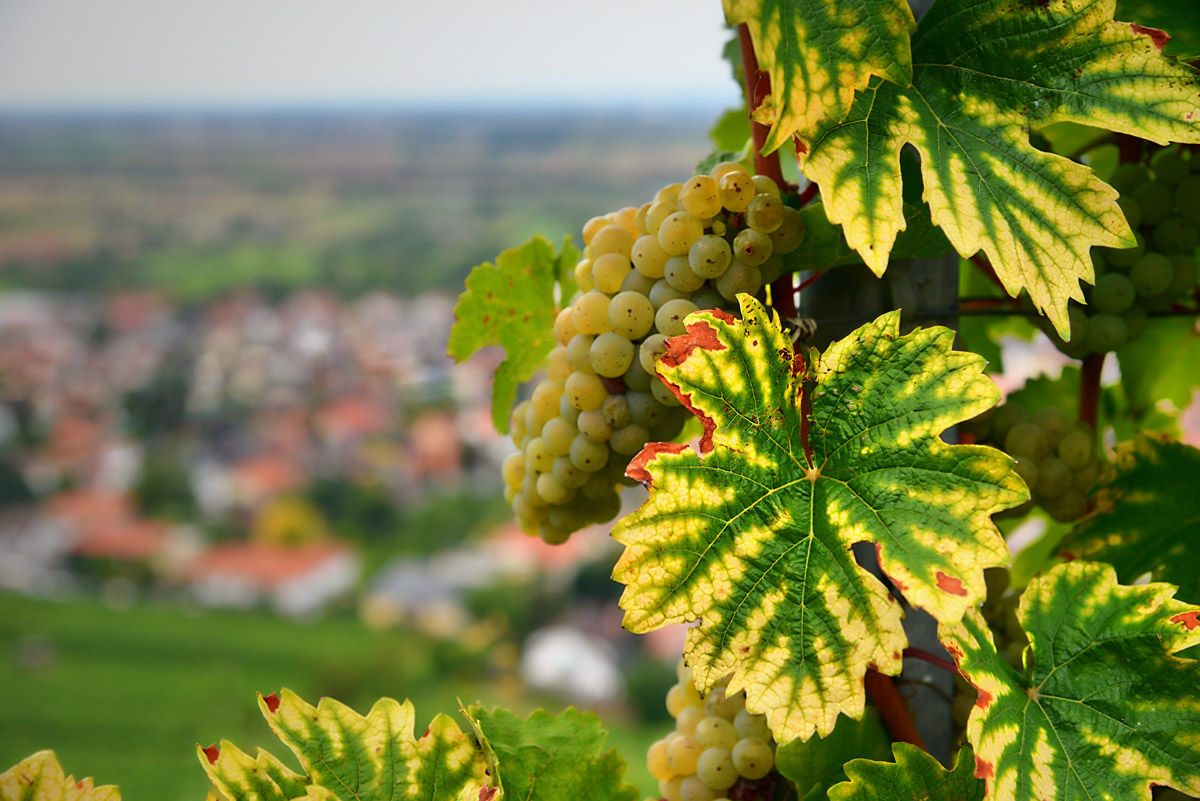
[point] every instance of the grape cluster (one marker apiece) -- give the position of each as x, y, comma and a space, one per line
1000, 613
696, 245
1056, 457
1161, 201
717, 748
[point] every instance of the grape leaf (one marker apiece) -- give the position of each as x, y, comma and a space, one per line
39, 777
824, 247
1147, 517
350, 757
914, 776
1161, 363
1181, 21
986, 72
818, 54
512, 303
545, 758
816, 765
1102, 708
752, 535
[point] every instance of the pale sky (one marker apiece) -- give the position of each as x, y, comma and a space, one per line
135, 53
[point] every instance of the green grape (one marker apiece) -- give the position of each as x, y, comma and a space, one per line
588, 455
557, 435
1007, 416
645, 410
629, 440
660, 392
567, 473
1026, 439
1169, 166
1187, 197
737, 190
566, 411
771, 269
1071, 505
1175, 235
722, 705
1054, 424
512, 469
1156, 200
545, 401
611, 355
1135, 322
765, 213
1026, 467
679, 232
723, 168
680, 275
716, 732
790, 234
1106, 333
1124, 258
670, 316
637, 379
1133, 212
670, 790
639, 218
1183, 279
662, 292
648, 257
593, 425
558, 367
700, 196
739, 278
552, 491
564, 327
1128, 176
583, 275
684, 752
635, 282
657, 762
753, 758
578, 352
631, 314
689, 719
752, 247
715, 768
710, 256
534, 421
1112, 294
611, 239
692, 789
669, 193
765, 185
1075, 450
659, 210
592, 226
1152, 274
519, 429
651, 349
1085, 477
750, 726
709, 298
538, 456
1054, 478
585, 391
590, 313
609, 271
616, 411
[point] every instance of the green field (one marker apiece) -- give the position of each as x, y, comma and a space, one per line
125, 695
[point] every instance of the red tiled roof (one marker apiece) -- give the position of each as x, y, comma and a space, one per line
266, 565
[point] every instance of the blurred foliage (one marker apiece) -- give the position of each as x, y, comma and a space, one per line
164, 489
289, 520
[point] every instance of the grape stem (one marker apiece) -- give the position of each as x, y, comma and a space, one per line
1089, 388
758, 87
892, 710
807, 282
925, 656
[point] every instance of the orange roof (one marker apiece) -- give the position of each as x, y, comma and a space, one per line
266, 475
353, 415
88, 508
264, 564
128, 539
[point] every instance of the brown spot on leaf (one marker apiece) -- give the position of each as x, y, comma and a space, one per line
700, 335
983, 770
1190, 620
985, 698
272, 702
954, 651
487, 793
801, 148
79, 785
950, 584
637, 468
1160, 38
211, 753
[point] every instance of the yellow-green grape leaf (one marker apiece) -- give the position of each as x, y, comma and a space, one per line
824, 246
914, 776
39, 777
1147, 515
350, 757
817, 764
818, 52
548, 758
986, 72
1102, 709
751, 534
512, 303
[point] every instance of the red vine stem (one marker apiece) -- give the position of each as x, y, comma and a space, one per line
758, 87
807, 282
892, 710
917, 653
1089, 388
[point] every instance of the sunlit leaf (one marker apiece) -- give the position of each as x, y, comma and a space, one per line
350, 757
39, 777
512, 303
914, 776
549, 758
985, 73
1147, 517
818, 53
1102, 708
752, 535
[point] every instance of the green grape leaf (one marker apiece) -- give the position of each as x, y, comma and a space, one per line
1181, 21
731, 133
547, 758
751, 535
824, 247
1147, 516
985, 73
818, 54
914, 776
39, 777
1102, 708
349, 757
816, 765
1161, 363
512, 303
